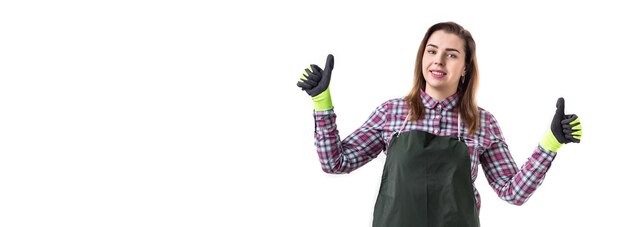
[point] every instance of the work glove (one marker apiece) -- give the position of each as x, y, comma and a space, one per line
315, 82
565, 128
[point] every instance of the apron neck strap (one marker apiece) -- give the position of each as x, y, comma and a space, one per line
458, 128
404, 123
401, 127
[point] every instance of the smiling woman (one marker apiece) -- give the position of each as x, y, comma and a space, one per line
445, 60
443, 63
435, 138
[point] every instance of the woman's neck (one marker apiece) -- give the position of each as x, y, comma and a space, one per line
439, 94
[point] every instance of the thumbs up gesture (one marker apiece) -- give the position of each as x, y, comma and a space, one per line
316, 81
565, 128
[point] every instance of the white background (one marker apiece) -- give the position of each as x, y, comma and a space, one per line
186, 113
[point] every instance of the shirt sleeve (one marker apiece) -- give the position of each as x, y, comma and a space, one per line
344, 156
510, 183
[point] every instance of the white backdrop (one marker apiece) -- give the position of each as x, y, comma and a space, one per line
186, 113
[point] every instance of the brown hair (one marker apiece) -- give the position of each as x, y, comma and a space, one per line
467, 91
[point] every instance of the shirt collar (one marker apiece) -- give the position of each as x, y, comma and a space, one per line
447, 104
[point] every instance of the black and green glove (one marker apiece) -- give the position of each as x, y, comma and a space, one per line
565, 128
316, 81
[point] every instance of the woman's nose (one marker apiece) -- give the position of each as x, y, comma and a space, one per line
439, 61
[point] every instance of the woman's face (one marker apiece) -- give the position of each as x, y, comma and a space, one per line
443, 61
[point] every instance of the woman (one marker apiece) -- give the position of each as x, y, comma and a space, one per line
434, 138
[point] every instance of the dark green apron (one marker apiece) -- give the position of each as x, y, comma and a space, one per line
426, 182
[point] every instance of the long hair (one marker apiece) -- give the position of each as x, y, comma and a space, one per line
467, 91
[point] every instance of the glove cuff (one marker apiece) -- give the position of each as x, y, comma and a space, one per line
323, 101
549, 142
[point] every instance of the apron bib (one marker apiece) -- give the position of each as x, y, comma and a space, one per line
426, 182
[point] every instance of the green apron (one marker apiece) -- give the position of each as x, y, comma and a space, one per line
426, 182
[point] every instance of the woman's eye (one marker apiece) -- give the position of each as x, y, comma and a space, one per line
431, 51
452, 55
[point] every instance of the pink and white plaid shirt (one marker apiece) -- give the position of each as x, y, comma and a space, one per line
486, 146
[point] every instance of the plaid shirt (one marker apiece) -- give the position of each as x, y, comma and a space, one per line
486, 146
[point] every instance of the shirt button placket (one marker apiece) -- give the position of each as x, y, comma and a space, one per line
438, 119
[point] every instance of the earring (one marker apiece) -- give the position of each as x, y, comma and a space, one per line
463, 78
